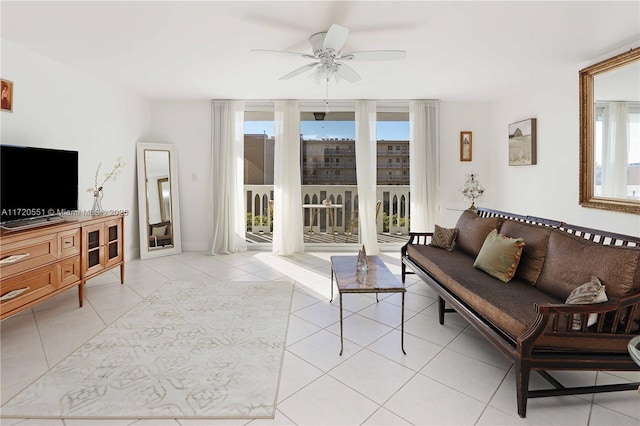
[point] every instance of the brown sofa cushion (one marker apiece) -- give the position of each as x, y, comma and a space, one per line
536, 239
572, 261
473, 230
509, 306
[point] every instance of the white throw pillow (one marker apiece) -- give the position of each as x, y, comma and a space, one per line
591, 292
159, 231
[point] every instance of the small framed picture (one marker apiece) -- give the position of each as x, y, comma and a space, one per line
7, 95
466, 141
522, 143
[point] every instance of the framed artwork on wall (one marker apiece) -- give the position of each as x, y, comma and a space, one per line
7, 95
466, 141
522, 143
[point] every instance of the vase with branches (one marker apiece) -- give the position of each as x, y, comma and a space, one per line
97, 188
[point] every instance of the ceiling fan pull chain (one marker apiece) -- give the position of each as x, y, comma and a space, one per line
326, 98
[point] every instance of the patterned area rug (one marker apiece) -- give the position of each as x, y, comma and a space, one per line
191, 349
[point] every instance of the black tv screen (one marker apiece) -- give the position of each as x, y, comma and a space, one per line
37, 182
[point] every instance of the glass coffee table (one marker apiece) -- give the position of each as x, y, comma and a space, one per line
377, 279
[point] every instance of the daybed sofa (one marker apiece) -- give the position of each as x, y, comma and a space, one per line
522, 312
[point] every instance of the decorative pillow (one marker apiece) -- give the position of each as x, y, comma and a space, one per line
499, 255
159, 231
534, 253
472, 231
444, 238
591, 292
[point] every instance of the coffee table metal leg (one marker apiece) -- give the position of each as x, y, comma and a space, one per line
402, 327
341, 342
331, 300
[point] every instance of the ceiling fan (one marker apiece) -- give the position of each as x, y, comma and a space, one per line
329, 60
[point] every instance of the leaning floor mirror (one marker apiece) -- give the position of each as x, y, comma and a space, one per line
158, 200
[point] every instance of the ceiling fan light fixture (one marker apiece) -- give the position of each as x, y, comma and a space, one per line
323, 72
330, 59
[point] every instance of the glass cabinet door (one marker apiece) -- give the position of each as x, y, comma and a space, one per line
102, 245
113, 233
94, 248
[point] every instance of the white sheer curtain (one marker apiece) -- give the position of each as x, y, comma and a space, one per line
615, 146
227, 162
366, 142
424, 137
287, 198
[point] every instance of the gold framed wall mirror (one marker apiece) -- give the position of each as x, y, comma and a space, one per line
158, 202
610, 134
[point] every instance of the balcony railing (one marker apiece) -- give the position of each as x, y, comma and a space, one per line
394, 153
393, 218
331, 151
392, 165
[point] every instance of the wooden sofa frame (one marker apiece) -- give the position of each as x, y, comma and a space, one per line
522, 351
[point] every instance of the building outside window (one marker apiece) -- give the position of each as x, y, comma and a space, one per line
328, 169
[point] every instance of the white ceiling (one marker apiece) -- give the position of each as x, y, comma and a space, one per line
201, 50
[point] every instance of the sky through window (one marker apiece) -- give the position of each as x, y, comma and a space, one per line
386, 130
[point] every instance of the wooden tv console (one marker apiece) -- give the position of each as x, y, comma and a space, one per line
38, 263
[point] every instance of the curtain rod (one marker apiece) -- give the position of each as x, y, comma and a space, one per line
337, 103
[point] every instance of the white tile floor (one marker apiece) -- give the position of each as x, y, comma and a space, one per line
450, 375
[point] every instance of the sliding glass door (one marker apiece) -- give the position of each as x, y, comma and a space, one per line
259, 144
392, 131
328, 173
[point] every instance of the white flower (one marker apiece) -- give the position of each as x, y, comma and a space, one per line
117, 169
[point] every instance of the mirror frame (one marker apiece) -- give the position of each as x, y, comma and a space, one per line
587, 122
143, 205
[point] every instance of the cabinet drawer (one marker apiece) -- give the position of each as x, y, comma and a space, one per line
40, 251
40, 282
69, 242
69, 271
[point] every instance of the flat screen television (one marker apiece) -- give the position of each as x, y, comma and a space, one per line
37, 182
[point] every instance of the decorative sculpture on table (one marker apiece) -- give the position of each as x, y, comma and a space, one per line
362, 265
472, 190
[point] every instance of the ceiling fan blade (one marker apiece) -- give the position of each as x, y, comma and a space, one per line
336, 37
375, 55
346, 72
299, 71
283, 52
276, 23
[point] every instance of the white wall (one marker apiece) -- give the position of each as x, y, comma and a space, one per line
187, 125
456, 117
550, 188
57, 107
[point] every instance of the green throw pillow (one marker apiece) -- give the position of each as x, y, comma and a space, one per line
499, 255
444, 238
